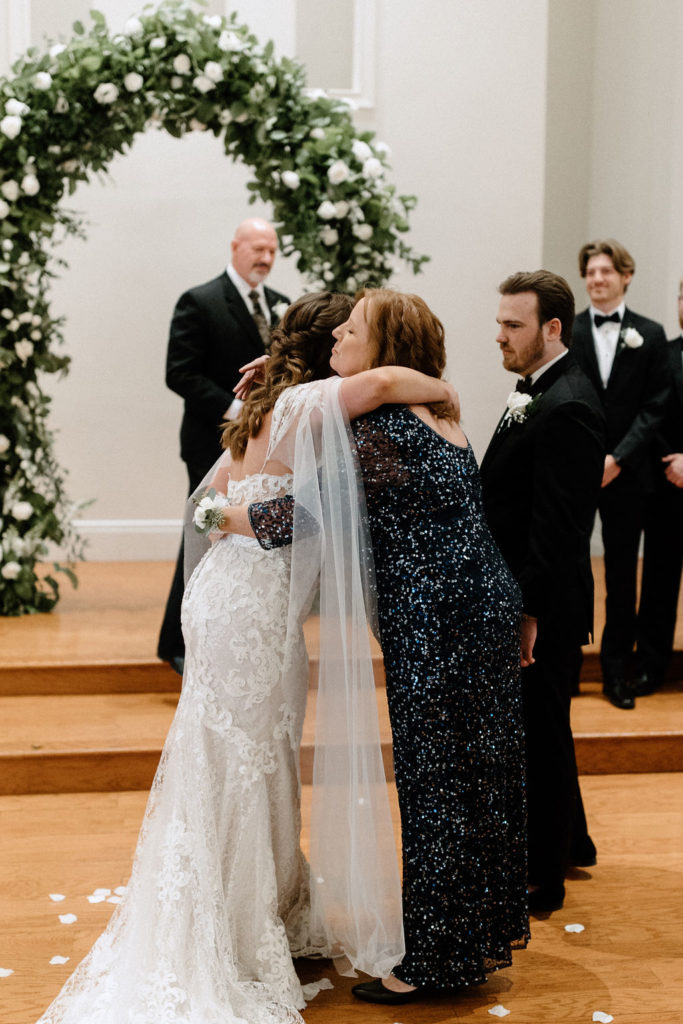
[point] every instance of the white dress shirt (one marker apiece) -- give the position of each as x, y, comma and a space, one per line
606, 339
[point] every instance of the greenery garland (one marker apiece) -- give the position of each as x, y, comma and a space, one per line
64, 115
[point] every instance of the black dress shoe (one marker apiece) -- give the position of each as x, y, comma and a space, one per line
376, 992
645, 683
583, 854
546, 899
618, 692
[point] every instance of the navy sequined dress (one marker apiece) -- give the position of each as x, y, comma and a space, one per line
449, 613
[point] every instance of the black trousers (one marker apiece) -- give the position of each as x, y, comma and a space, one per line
171, 643
622, 513
556, 821
662, 564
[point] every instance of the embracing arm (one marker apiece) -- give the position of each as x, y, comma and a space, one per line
394, 385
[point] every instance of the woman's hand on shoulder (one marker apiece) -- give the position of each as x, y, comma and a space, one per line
252, 373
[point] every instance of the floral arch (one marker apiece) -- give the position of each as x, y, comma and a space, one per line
63, 115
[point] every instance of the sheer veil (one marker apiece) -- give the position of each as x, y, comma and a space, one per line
354, 877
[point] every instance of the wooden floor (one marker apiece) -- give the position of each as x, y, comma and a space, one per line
627, 962
84, 710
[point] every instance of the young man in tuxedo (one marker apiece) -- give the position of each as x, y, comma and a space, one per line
624, 355
663, 555
216, 328
541, 478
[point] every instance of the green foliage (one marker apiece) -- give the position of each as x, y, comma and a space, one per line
63, 115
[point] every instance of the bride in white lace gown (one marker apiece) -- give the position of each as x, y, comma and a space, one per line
218, 903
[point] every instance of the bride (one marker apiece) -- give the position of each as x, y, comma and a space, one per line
219, 900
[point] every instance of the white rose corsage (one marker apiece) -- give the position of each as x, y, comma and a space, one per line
209, 511
631, 337
518, 405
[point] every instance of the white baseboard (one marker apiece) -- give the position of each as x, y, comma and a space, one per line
129, 540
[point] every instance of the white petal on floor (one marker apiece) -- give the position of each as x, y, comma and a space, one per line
602, 1018
57, 897
5, 972
114, 899
60, 959
311, 990
101, 892
498, 1011
68, 918
96, 899
120, 890
574, 928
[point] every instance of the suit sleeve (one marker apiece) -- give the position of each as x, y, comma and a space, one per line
186, 362
643, 429
567, 471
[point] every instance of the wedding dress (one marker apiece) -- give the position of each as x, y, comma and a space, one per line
219, 898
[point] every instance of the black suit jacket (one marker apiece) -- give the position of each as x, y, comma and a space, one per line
212, 334
541, 481
670, 433
635, 396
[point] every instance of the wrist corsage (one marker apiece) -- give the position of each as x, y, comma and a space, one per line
208, 514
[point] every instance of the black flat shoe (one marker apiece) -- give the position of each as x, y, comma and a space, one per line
376, 992
546, 899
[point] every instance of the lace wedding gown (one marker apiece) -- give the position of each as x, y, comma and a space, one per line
218, 900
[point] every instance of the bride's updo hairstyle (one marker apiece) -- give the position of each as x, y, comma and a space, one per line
300, 351
404, 332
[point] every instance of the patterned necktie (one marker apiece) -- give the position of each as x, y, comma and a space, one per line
259, 319
613, 318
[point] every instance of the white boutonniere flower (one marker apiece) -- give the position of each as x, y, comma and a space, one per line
279, 309
631, 338
209, 511
518, 405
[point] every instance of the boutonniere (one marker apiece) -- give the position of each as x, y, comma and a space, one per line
520, 406
630, 338
279, 309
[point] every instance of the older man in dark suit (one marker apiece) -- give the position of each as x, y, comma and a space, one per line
663, 556
624, 355
541, 478
216, 328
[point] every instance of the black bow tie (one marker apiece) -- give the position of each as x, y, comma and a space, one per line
523, 385
613, 318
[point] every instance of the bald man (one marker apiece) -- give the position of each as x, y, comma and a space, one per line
216, 328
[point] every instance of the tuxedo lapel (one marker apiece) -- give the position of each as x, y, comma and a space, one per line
583, 338
240, 312
620, 361
677, 355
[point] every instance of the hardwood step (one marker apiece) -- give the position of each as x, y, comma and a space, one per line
79, 743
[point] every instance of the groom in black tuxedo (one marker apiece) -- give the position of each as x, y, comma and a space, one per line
541, 478
216, 328
624, 355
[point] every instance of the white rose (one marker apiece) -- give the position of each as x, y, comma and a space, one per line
362, 231
317, 133
133, 81
133, 27
16, 108
228, 41
158, 43
62, 105
42, 81
10, 190
326, 210
196, 125
361, 151
4, 209
7, 246
10, 570
632, 338
213, 70
212, 20
55, 50
372, 168
25, 317
182, 64
21, 510
203, 83
69, 166
106, 92
329, 236
11, 125
241, 118
24, 350
30, 185
338, 172
225, 117
517, 402
4, 444
341, 208
6, 313
280, 308
381, 147
176, 82
13, 325
351, 284
35, 336
291, 179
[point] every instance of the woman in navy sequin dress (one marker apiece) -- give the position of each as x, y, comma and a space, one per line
449, 614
